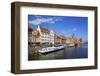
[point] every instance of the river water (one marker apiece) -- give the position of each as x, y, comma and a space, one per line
67, 53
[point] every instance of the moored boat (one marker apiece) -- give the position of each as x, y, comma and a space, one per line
71, 45
50, 49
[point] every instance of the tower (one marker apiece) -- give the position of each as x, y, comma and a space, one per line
39, 29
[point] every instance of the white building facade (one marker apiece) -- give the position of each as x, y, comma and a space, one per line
41, 35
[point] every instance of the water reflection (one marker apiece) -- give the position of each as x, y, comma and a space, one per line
67, 53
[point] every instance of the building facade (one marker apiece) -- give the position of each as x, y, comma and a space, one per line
41, 35
44, 36
30, 36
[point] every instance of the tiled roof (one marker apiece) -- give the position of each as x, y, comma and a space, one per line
36, 33
62, 37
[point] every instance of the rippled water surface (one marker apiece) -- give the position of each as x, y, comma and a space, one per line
67, 53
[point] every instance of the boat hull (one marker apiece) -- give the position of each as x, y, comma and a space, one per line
47, 52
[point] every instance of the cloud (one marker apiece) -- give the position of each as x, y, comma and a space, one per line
59, 19
40, 20
74, 29
37, 16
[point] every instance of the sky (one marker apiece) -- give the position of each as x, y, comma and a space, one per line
63, 25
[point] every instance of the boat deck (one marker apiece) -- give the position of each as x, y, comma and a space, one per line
50, 49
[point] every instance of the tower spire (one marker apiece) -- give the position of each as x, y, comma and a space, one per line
39, 29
